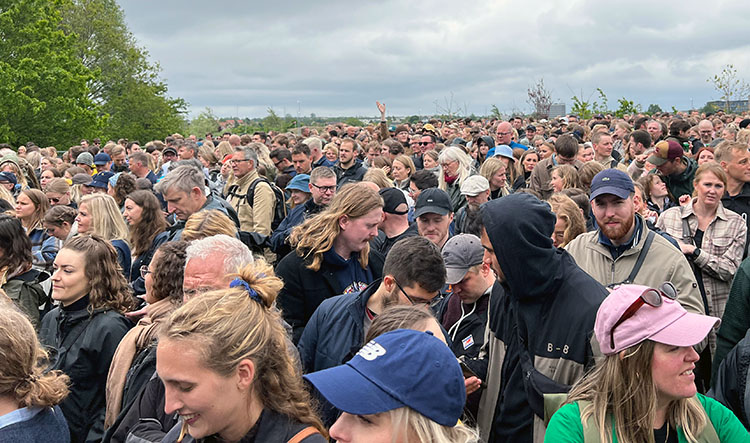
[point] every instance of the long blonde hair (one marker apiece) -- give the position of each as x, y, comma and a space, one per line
622, 388
107, 221
22, 368
230, 325
316, 235
411, 426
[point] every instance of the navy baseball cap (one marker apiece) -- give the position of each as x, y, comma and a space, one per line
102, 158
100, 180
399, 368
612, 181
8, 177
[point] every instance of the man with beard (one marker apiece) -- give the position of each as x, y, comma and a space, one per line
611, 253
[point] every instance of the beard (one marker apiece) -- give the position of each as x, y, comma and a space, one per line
617, 233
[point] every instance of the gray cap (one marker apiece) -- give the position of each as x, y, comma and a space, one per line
81, 179
474, 185
461, 253
85, 158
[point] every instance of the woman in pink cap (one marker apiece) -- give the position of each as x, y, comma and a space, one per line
644, 389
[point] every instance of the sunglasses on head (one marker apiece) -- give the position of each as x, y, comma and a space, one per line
652, 297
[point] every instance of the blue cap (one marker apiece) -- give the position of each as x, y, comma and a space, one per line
612, 181
102, 158
300, 182
399, 368
8, 177
113, 179
100, 180
501, 151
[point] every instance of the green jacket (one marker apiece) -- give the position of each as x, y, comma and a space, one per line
566, 426
681, 184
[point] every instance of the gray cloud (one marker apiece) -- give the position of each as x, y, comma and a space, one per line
337, 57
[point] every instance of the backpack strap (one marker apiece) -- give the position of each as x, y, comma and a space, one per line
303, 434
641, 258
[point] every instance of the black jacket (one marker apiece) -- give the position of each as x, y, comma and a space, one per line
136, 281
541, 316
295, 217
304, 289
740, 204
271, 427
383, 244
82, 346
352, 175
468, 336
730, 386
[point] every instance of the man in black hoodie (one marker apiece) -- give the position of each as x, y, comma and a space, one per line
541, 318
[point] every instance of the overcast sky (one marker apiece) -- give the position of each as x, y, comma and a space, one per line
337, 57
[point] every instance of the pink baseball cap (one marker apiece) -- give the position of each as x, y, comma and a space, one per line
669, 324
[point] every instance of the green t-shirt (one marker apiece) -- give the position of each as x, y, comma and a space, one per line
566, 427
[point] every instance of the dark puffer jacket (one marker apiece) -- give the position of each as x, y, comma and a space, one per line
730, 386
82, 344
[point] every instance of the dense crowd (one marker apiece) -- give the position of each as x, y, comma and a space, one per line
528, 280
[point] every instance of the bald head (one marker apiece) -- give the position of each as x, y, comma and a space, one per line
706, 131
235, 140
503, 133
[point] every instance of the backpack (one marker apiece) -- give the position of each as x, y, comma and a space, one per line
279, 208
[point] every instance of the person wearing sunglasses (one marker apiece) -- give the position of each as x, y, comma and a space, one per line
337, 328
644, 389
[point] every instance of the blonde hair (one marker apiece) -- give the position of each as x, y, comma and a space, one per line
22, 368
231, 325
622, 387
568, 174
490, 167
411, 426
379, 177
713, 168
407, 162
316, 235
224, 149
107, 221
204, 224
566, 209
7, 196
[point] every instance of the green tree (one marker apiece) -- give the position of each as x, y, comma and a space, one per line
581, 108
43, 84
106, 46
602, 108
353, 121
495, 113
653, 109
412, 119
205, 122
626, 107
730, 85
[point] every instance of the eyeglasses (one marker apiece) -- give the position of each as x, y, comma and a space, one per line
324, 188
415, 300
234, 162
503, 133
145, 271
651, 297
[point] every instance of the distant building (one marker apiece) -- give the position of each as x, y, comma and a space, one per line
735, 106
557, 109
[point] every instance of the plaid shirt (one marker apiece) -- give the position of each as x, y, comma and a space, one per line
721, 249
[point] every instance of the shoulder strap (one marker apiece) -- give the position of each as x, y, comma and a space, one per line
641, 258
303, 434
590, 432
686, 228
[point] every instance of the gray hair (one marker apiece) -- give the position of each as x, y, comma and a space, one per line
313, 143
184, 178
235, 253
248, 153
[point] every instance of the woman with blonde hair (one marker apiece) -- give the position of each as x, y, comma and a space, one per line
58, 193
563, 177
86, 327
455, 167
644, 389
31, 205
377, 176
401, 170
333, 254
98, 214
223, 149
208, 223
230, 348
402, 386
29, 394
496, 172
570, 223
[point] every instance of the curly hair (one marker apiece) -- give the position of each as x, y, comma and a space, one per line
169, 271
316, 235
566, 209
108, 288
22, 367
124, 185
231, 325
15, 245
151, 224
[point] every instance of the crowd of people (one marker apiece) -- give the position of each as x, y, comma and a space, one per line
472, 280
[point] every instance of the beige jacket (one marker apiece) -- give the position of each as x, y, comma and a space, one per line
663, 263
258, 217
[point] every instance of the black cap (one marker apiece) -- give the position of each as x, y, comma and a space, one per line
433, 201
745, 123
395, 201
168, 150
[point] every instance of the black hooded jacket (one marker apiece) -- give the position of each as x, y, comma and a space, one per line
541, 313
